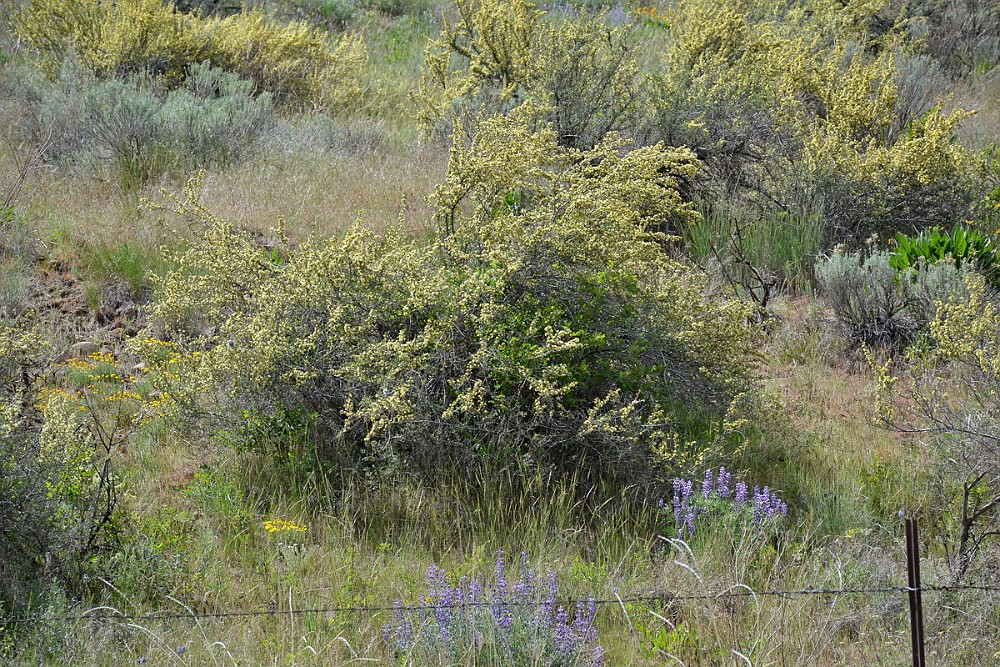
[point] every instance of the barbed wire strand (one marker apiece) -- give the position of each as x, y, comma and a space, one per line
662, 598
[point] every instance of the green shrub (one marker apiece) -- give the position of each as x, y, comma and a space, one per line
214, 118
880, 306
545, 322
53, 111
123, 119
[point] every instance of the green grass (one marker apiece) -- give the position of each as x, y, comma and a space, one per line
782, 244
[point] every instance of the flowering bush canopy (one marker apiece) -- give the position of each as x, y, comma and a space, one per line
545, 320
295, 62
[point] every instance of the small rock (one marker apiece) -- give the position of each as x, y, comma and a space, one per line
83, 349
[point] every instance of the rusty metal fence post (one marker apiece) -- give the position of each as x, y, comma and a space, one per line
913, 584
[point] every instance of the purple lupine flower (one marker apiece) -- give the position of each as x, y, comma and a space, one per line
565, 641
707, 486
722, 484
444, 619
500, 572
597, 657
689, 517
401, 632
618, 15
501, 610
476, 590
741, 494
524, 587
758, 505
444, 605
583, 622
387, 634
546, 611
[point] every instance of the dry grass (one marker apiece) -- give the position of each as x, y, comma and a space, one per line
318, 194
321, 195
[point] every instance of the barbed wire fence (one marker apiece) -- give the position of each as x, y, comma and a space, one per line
109, 613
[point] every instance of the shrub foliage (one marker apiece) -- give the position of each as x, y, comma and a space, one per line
54, 504
544, 320
880, 305
213, 118
496, 55
295, 62
802, 105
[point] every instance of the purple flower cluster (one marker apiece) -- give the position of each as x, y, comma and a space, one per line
688, 504
519, 619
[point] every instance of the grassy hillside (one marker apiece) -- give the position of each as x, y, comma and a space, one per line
493, 333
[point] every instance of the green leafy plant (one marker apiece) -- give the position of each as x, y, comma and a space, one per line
964, 246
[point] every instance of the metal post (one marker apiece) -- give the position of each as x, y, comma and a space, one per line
913, 583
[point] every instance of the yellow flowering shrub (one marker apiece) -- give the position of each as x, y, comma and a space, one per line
113, 39
802, 103
295, 62
951, 393
581, 71
52, 495
545, 320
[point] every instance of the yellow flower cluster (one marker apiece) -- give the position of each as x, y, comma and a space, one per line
102, 357
282, 526
653, 16
123, 395
76, 364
